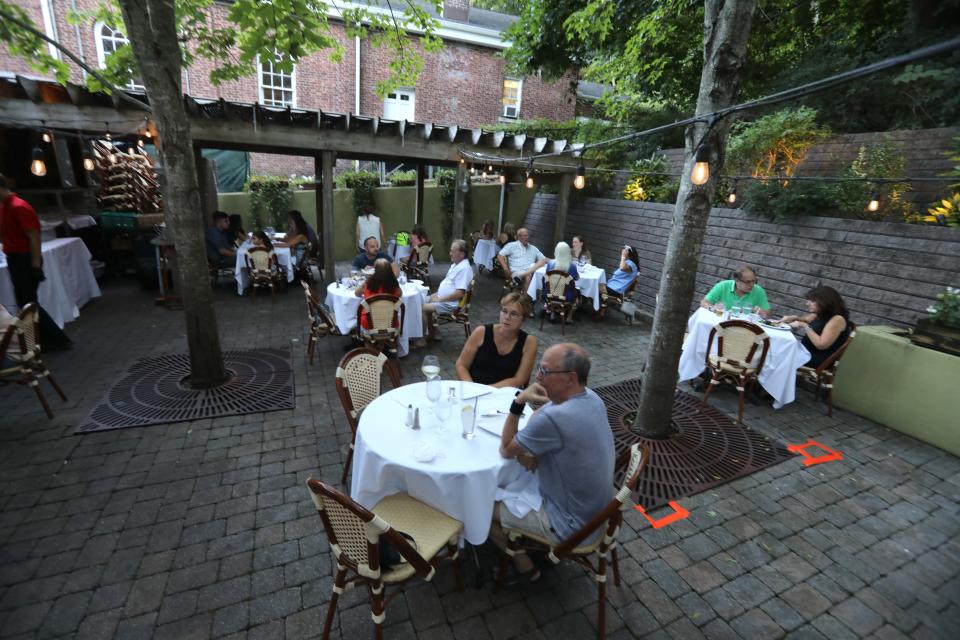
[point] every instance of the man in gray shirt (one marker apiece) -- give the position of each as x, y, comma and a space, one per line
568, 442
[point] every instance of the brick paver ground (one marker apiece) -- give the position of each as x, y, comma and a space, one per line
204, 529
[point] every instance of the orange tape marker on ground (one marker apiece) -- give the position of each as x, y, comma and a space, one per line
809, 459
679, 513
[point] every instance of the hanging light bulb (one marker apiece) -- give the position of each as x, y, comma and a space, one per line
874, 203
38, 165
503, 177
581, 180
88, 163
732, 196
47, 137
108, 136
528, 183
489, 168
483, 174
462, 159
473, 170
701, 167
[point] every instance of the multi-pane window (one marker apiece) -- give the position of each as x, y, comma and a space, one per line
108, 41
511, 97
277, 88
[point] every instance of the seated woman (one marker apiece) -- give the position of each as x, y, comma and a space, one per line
501, 355
236, 231
383, 280
297, 238
417, 237
261, 239
486, 231
562, 261
580, 254
509, 234
625, 273
826, 327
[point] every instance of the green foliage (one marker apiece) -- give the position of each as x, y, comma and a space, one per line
28, 46
946, 310
645, 185
879, 160
946, 213
403, 178
513, 7
363, 183
269, 195
446, 179
775, 144
780, 200
954, 156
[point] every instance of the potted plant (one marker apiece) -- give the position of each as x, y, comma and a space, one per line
941, 329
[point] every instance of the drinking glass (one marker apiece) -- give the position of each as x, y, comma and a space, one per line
430, 367
468, 419
433, 389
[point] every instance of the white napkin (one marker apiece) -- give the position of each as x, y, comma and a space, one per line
522, 495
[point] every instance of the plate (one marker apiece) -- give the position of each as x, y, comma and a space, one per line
781, 327
367, 271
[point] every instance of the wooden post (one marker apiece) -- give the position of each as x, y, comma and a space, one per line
502, 213
207, 181
327, 160
459, 202
318, 197
566, 181
418, 208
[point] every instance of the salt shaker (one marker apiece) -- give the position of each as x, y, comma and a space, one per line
410, 415
416, 419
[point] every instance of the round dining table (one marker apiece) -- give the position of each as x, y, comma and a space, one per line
484, 253
588, 284
344, 303
464, 479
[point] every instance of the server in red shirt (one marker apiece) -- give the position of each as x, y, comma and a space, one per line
20, 236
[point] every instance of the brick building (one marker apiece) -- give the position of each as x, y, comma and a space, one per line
466, 83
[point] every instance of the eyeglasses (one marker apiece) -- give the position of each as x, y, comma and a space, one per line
754, 281
545, 372
513, 315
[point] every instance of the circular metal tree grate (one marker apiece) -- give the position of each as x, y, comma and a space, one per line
708, 447
153, 391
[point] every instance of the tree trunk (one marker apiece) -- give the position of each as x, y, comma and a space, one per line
726, 28
153, 29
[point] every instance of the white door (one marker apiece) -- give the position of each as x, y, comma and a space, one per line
399, 105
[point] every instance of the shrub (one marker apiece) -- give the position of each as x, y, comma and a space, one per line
775, 144
269, 195
878, 160
779, 200
403, 178
363, 184
447, 181
645, 184
947, 214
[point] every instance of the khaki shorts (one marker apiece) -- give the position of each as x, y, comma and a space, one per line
535, 522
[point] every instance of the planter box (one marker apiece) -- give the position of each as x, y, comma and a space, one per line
936, 336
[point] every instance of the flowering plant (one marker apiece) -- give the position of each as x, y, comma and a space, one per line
946, 311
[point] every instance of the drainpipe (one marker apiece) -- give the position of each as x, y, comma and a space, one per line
356, 86
76, 30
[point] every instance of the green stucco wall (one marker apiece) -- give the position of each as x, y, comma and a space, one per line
395, 206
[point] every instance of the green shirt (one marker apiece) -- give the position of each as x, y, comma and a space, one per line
725, 291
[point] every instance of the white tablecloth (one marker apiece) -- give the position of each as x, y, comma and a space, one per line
484, 253
589, 283
70, 282
461, 481
240, 273
779, 374
344, 304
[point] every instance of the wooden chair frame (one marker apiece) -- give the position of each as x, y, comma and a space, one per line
610, 518
461, 315
421, 268
335, 508
822, 376
376, 336
615, 300
260, 277
739, 371
555, 302
321, 322
353, 397
27, 368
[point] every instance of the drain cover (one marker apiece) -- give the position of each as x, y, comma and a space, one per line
708, 449
152, 391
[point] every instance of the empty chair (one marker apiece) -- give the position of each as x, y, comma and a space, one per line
822, 377
559, 296
358, 384
321, 322
461, 315
736, 359
20, 361
356, 536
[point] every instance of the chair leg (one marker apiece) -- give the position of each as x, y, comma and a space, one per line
455, 557
502, 573
616, 567
36, 387
53, 383
706, 394
602, 602
346, 465
828, 395
311, 345
376, 607
742, 388
338, 583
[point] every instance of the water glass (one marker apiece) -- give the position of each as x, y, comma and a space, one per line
430, 367
468, 419
433, 389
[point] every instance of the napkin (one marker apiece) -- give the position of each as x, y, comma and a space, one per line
522, 495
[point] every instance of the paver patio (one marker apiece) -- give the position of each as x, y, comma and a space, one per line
205, 529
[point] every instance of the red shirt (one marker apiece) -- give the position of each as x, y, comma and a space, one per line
16, 218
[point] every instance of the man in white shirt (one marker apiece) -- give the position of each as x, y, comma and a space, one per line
520, 259
453, 287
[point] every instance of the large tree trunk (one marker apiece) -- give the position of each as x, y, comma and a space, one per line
726, 27
153, 37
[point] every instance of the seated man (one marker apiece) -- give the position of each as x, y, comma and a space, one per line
220, 251
519, 259
370, 254
742, 291
453, 287
568, 442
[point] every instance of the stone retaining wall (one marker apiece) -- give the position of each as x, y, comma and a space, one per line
888, 273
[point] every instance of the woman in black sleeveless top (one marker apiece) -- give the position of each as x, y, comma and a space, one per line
501, 355
826, 327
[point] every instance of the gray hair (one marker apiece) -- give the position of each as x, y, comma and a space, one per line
741, 273
461, 246
575, 359
561, 256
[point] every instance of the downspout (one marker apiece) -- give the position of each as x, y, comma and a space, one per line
356, 86
76, 30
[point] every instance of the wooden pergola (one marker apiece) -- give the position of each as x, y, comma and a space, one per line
326, 137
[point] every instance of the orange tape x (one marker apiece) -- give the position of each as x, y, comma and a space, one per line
679, 513
809, 459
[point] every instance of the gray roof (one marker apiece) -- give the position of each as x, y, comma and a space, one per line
483, 18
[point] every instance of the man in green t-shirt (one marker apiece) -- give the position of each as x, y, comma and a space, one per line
742, 291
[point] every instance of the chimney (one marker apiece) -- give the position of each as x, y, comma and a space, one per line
456, 10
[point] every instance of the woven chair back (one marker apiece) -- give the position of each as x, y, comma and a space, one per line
558, 284
359, 374
384, 314
313, 305
353, 532
738, 341
423, 252
260, 259
464, 306
27, 329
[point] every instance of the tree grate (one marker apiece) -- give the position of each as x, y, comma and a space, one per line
152, 392
708, 447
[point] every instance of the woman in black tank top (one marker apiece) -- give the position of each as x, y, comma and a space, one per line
502, 354
826, 327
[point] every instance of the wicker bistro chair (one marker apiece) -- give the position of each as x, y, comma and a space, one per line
462, 314
612, 299
301, 261
321, 322
264, 270
736, 358
559, 285
593, 556
358, 384
20, 361
386, 314
355, 535
421, 267
822, 376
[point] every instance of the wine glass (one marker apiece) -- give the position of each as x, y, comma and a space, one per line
430, 367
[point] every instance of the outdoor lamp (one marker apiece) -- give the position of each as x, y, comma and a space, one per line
462, 159
732, 196
529, 181
88, 163
874, 203
38, 166
503, 178
490, 168
581, 180
47, 137
473, 170
701, 167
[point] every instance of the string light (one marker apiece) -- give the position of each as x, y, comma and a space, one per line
580, 181
528, 183
503, 178
38, 165
874, 203
462, 159
489, 168
88, 163
701, 168
732, 197
473, 170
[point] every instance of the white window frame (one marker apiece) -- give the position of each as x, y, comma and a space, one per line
118, 38
503, 107
260, 86
50, 27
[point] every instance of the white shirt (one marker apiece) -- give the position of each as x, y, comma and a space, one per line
458, 277
369, 226
520, 258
